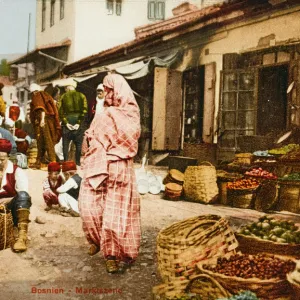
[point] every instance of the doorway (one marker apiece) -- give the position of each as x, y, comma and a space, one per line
272, 100
193, 81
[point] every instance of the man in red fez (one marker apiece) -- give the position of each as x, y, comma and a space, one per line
51, 184
69, 191
14, 194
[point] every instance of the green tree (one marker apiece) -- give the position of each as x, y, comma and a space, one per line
4, 68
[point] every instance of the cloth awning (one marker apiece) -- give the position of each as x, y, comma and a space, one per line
70, 80
137, 67
142, 68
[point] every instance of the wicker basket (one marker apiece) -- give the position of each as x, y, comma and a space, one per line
253, 245
223, 178
289, 196
266, 196
200, 183
6, 228
241, 198
269, 289
183, 244
294, 286
243, 158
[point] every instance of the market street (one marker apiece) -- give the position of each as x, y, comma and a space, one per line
57, 258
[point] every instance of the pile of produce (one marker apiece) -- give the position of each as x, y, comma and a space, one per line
243, 184
246, 295
274, 230
259, 172
292, 156
252, 266
284, 150
291, 177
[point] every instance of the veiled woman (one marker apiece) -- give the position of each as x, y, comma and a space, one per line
109, 202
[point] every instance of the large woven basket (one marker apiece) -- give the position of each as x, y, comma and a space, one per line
182, 245
269, 289
200, 183
241, 198
6, 228
289, 196
253, 245
295, 287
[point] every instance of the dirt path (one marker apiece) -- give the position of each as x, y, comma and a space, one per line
56, 265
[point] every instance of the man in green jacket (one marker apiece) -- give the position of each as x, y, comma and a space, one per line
72, 110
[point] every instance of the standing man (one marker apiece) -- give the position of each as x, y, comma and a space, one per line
14, 194
72, 111
44, 117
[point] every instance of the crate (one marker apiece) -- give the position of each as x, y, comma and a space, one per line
180, 163
201, 151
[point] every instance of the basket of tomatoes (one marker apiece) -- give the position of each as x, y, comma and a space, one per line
241, 193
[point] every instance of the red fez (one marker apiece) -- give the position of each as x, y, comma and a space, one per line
68, 166
54, 167
5, 145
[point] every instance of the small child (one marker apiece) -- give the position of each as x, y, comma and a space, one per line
69, 191
50, 185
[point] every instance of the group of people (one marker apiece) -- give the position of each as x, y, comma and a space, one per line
106, 196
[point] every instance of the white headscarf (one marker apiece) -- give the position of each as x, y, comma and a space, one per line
34, 87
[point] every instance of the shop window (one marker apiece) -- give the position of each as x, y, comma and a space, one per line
62, 9
238, 107
52, 12
43, 15
114, 7
156, 10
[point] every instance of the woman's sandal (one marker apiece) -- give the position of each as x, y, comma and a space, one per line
111, 266
94, 249
125, 265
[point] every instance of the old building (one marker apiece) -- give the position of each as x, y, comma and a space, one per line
237, 80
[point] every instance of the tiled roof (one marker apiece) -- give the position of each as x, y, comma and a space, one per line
27, 57
175, 22
152, 35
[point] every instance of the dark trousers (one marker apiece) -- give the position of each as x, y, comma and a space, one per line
21, 200
77, 137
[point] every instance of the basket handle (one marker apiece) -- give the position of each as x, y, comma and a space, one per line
224, 292
197, 225
206, 162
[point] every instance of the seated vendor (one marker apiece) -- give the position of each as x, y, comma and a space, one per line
14, 194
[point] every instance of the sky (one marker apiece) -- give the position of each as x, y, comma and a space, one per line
14, 20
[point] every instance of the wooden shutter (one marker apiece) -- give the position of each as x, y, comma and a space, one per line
167, 109
294, 95
209, 102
